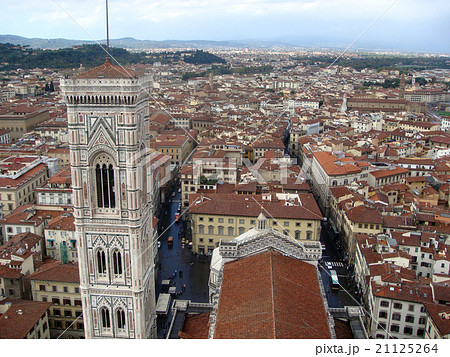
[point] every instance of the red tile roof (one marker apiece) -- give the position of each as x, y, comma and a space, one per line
107, 70
440, 314
196, 327
21, 317
57, 271
246, 206
270, 295
9, 273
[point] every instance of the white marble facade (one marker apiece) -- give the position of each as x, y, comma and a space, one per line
108, 112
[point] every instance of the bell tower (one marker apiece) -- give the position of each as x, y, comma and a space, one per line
107, 109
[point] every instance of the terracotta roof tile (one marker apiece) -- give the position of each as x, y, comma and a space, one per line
270, 295
21, 316
107, 70
57, 271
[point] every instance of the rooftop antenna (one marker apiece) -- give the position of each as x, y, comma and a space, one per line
108, 57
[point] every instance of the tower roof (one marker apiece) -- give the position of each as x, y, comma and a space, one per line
107, 70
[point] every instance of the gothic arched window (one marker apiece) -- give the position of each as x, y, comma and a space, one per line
120, 317
105, 182
104, 313
101, 261
117, 262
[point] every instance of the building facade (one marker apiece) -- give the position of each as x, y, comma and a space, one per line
108, 114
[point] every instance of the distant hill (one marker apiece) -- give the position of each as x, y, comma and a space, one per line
14, 56
126, 42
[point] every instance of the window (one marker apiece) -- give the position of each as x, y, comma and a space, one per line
407, 330
230, 231
422, 309
210, 219
57, 312
384, 303
230, 220
117, 262
104, 313
78, 313
67, 313
44, 298
297, 224
395, 328
422, 320
308, 235
381, 326
77, 290
286, 224
65, 289
58, 324
104, 177
66, 302
55, 301
397, 305
44, 326
252, 222
220, 230
120, 316
411, 307
210, 229
241, 221
200, 219
41, 287
409, 318
309, 224
221, 220
80, 326
396, 316
201, 229
101, 262
420, 332
382, 315
241, 230
77, 302
54, 288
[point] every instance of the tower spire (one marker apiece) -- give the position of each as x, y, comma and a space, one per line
108, 56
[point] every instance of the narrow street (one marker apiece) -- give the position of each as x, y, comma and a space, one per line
192, 271
334, 258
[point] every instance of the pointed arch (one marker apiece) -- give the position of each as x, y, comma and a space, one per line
105, 181
117, 262
120, 319
105, 317
101, 261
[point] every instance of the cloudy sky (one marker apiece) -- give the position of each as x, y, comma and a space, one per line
417, 25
